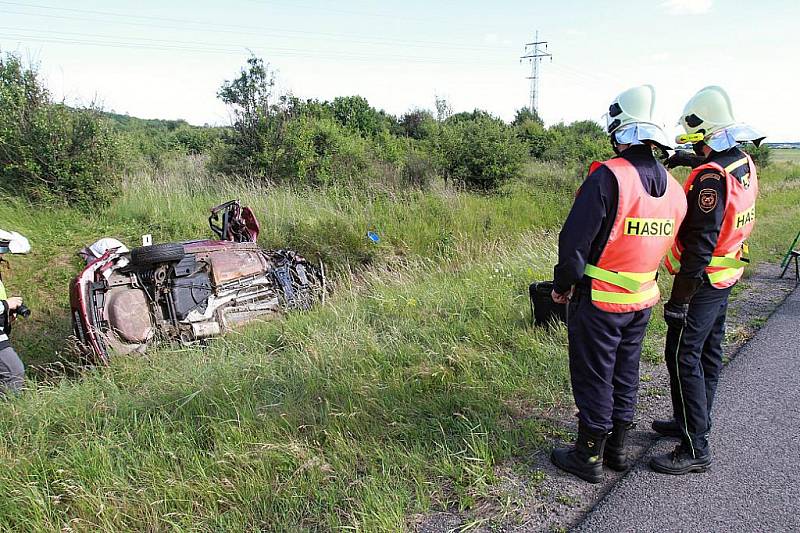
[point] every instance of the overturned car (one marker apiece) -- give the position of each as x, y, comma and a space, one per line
125, 301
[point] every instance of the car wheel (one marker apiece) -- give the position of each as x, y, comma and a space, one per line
157, 253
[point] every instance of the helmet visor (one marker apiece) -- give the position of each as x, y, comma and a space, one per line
638, 132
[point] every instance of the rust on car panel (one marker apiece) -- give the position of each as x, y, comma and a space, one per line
216, 246
235, 264
129, 311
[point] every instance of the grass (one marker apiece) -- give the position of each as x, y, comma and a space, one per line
785, 155
438, 227
319, 421
778, 218
399, 396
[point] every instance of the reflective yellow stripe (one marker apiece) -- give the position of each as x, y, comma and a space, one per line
727, 262
624, 297
724, 275
641, 277
736, 164
631, 281
673, 261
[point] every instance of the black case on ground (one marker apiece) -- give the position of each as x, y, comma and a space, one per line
543, 308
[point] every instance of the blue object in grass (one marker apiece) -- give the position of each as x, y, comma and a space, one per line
374, 237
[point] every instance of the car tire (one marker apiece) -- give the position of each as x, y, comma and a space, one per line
157, 253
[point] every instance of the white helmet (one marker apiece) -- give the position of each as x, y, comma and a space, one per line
707, 112
12, 242
708, 116
630, 118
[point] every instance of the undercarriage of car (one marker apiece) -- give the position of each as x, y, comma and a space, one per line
124, 302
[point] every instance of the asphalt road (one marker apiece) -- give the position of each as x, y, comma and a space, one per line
754, 483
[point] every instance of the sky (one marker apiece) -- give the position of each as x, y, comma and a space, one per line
167, 59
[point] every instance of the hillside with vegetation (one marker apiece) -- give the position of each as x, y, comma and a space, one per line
399, 396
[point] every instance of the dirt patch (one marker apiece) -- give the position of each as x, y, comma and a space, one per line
533, 495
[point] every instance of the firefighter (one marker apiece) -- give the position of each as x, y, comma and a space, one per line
622, 223
12, 371
707, 259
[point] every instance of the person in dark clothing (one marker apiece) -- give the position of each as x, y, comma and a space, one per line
585, 232
622, 222
707, 260
12, 371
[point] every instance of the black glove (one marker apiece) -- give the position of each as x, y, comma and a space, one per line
675, 314
684, 158
683, 289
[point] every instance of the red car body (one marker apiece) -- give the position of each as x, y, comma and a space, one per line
124, 302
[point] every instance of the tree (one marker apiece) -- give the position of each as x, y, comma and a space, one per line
258, 120
535, 136
355, 113
418, 124
481, 152
761, 154
249, 95
526, 115
443, 108
50, 152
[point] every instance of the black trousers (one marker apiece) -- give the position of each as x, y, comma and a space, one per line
694, 361
604, 352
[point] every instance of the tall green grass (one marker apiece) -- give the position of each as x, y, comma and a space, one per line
391, 399
398, 396
778, 211
439, 226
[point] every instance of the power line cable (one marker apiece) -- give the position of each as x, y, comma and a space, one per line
235, 29
372, 43
284, 52
146, 39
433, 20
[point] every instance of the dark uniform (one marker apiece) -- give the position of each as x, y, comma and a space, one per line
604, 348
695, 374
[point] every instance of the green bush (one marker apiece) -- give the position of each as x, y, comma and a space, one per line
191, 140
286, 139
49, 152
355, 113
149, 146
321, 152
524, 115
418, 124
577, 143
535, 137
419, 168
761, 154
480, 151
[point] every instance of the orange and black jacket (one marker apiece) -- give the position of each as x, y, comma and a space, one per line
699, 232
585, 232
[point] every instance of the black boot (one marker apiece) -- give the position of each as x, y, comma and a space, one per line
614, 455
667, 428
681, 461
585, 458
